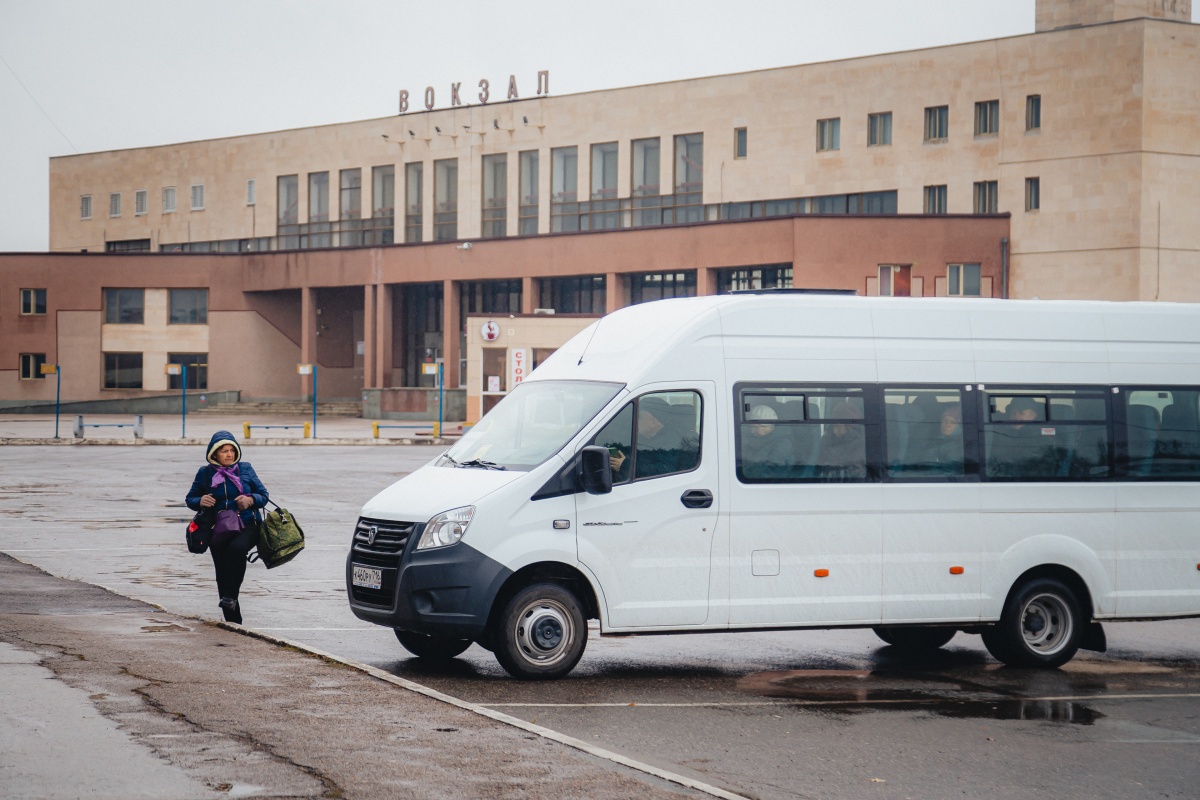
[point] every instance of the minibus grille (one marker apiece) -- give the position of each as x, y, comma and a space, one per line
381, 536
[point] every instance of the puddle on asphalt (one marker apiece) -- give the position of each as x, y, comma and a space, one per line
170, 628
848, 692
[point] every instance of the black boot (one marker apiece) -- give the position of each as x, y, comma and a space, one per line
232, 609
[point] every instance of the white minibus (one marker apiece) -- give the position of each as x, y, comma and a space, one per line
1022, 470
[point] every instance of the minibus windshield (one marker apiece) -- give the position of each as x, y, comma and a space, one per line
529, 425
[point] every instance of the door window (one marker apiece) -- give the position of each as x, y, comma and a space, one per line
665, 439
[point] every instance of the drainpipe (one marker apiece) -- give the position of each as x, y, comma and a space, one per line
1004, 268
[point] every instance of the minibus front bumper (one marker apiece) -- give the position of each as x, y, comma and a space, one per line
445, 592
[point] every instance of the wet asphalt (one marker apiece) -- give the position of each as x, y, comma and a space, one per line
794, 714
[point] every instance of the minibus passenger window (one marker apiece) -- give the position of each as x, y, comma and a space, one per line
924, 433
1055, 433
801, 434
842, 456
1162, 431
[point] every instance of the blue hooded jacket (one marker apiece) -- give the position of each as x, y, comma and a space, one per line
225, 493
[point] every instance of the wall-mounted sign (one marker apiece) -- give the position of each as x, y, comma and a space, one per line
485, 92
518, 367
490, 331
304, 369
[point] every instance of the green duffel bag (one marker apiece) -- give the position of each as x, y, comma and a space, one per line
280, 537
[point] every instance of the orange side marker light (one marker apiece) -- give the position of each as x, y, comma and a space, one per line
956, 570
821, 573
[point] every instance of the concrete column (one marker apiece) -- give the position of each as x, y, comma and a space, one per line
385, 334
451, 333
706, 281
370, 337
528, 298
308, 337
613, 296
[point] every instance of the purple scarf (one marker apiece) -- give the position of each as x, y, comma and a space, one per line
227, 472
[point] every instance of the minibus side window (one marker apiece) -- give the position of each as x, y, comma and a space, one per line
924, 433
1046, 434
1162, 433
668, 434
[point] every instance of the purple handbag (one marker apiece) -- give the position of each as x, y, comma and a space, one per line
227, 524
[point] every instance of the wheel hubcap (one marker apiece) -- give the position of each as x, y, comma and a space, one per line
1046, 624
544, 632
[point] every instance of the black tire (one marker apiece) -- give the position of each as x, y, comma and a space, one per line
1042, 626
423, 645
916, 639
541, 633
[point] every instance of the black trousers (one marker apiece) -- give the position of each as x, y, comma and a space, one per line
229, 559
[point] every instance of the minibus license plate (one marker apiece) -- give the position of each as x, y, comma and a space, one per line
367, 578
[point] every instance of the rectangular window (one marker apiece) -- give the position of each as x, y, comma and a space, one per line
1033, 112
33, 301
604, 207
528, 212
937, 123
963, 280
287, 202
583, 294
1033, 194
445, 200
124, 306
383, 192
689, 178
114, 204
414, 199
140, 202
645, 154
168, 199
986, 197
251, 191
318, 197
739, 143
350, 204
189, 307
935, 199
895, 280
197, 370
197, 197
31, 366
829, 134
85, 206
879, 129
923, 433
1046, 434
1162, 433
647, 286
765, 276
564, 189
122, 370
802, 434
987, 118
495, 196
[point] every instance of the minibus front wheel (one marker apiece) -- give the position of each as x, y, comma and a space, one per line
423, 645
541, 633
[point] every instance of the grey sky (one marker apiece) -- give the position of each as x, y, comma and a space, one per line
82, 76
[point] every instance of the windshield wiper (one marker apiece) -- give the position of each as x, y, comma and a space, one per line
450, 459
477, 462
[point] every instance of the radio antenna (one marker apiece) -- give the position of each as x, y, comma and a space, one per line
589, 341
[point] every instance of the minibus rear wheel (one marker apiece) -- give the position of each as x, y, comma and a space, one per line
423, 645
541, 633
916, 639
1041, 626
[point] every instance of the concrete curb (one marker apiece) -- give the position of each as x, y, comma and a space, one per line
370, 442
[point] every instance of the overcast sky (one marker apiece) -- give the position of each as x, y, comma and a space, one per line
79, 76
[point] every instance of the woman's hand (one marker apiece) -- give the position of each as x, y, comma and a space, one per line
208, 501
243, 502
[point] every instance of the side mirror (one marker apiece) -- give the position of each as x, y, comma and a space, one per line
597, 471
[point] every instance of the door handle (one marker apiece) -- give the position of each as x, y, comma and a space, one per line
697, 498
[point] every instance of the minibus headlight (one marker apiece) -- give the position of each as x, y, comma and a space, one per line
446, 528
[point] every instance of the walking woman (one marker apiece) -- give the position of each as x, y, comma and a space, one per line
231, 489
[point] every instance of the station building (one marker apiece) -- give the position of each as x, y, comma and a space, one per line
1060, 164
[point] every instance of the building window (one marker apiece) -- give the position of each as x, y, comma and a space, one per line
414, 188
564, 189
895, 280
645, 154
251, 191
287, 199
122, 370
318, 197
114, 204
1033, 112
935, 199
445, 200
85, 206
647, 286
495, 196
189, 307
987, 118
383, 192
197, 370
124, 306
739, 143
197, 197
33, 301
350, 203
1033, 194
986, 197
689, 177
31, 366
575, 295
937, 123
962, 280
604, 187
140, 202
829, 134
527, 223
879, 129
127, 246
168, 199
765, 276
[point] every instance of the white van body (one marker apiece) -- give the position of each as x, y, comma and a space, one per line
881, 551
